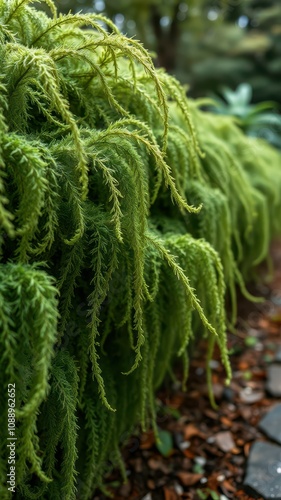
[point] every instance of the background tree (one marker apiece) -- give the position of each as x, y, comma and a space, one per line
205, 43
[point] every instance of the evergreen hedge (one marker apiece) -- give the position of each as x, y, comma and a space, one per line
126, 213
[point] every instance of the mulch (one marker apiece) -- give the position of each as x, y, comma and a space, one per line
204, 451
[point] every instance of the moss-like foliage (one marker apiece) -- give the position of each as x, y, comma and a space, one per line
126, 213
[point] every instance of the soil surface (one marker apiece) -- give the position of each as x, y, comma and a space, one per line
203, 452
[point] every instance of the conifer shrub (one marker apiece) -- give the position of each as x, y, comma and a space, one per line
126, 215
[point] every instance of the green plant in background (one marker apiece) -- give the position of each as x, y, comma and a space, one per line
184, 37
126, 212
257, 120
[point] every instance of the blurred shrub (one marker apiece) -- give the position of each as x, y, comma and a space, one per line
205, 43
257, 120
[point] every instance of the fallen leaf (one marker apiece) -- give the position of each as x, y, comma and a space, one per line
147, 440
188, 453
191, 430
170, 494
228, 486
243, 365
211, 414
235, 451
155, 464
176, 401
226, 421
188, 478
151, 484
247, 449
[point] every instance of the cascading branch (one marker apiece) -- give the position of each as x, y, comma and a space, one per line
125, 214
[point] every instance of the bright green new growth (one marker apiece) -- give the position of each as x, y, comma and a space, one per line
107, 272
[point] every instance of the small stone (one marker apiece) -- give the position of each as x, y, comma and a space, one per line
228, 394
271, 424
273, 385
184, 445
218, 390
231, 407
264, 470
147, 497
214, 364
276, 299
200, 461
248, 396
259, 347
178, 437
178, 489
224, 441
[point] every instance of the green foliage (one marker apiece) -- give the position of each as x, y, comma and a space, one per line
184, 37
257, 120
109, 268
165, 442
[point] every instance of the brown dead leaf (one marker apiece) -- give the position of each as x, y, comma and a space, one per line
188, 453
226, 421
263, 323
213, 482
259, 374
211, 414
247, 449
170, 494
155, 464
194, 394
189, 478
147, 440
190, 430
175, 401
151, 484
235, 451
243, 365
228, 486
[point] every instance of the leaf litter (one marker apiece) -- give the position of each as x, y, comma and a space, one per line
202, 453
